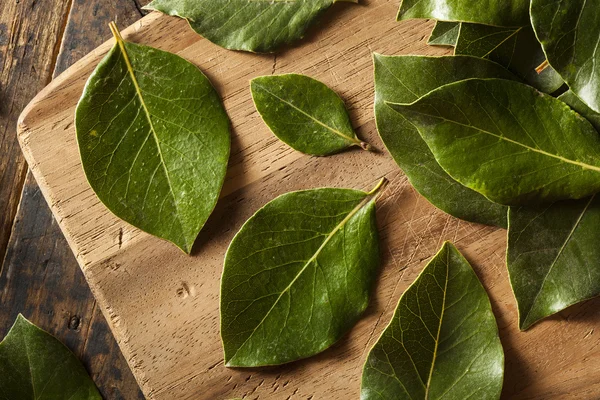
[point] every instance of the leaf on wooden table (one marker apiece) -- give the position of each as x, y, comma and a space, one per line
297, 275
442, 341
444, 34
508, 141
569, 31
36, 366
250, 25
514, 48
553, 257
494, 12
154, 140
578, 105
304, 113
403, 79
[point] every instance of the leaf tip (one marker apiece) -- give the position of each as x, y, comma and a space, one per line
22, 320
525, 324
185, 247
448, 244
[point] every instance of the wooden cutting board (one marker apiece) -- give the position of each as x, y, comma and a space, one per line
163, 306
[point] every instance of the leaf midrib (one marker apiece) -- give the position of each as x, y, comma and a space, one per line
356, 209
540, 151
337, 132
148, 115
437, 339
497, 46
558, 255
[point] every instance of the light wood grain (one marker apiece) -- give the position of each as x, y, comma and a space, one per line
163, 306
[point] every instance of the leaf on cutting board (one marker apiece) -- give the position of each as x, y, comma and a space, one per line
297, 275
493, 12
569, 31
403, 79
304, 113
508, 141
154, 140
442, 341
553, 257
34, 365
444, 34
249, 25
514, 48
578, 105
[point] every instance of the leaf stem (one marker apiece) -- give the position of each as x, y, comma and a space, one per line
542, 67
115, 31
379, 188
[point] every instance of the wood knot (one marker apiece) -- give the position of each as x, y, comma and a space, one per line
74, 322
114, 266
185, 290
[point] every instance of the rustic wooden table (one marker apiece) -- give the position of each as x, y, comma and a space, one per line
39, 276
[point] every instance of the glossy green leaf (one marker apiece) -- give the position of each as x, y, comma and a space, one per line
569, 31
494, 12
444, 34
514, 48
553, 257
297, 275
304, 113
442, 342
578, 105
250, 25
508, 141
154, 141
36, 366
403, 79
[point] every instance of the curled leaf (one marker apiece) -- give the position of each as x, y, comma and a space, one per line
508, 141
403, 79
570, 36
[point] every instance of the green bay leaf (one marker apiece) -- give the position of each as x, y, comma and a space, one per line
304, 113
404, 79
578, 105
444, 34
517, 49
250, 25
553, 257
154, 141
508, 141
569, 31
442, 341
297, 275
36, 366
494, 12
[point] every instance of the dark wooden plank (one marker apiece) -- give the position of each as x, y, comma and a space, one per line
30, 32
40, 277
